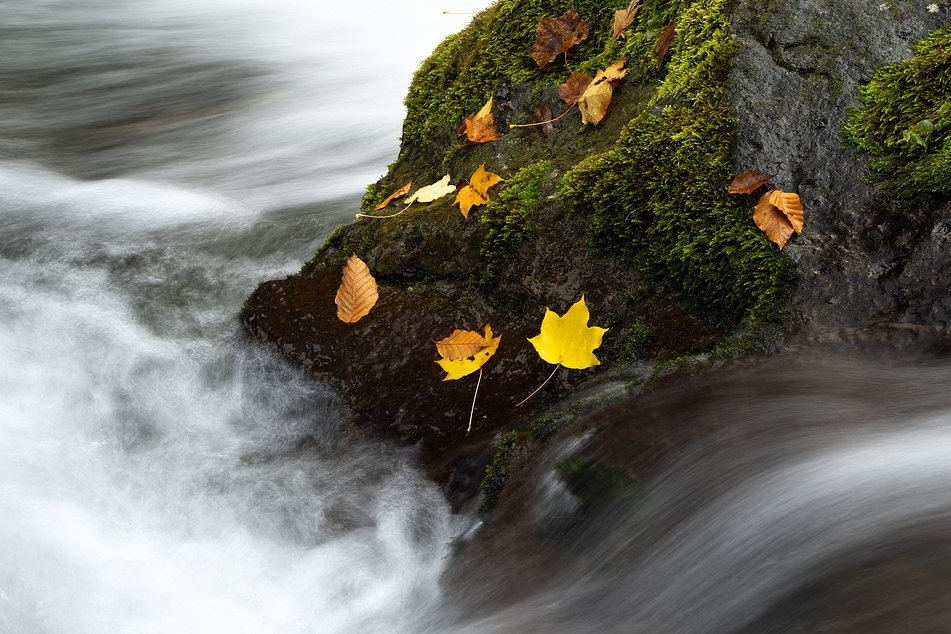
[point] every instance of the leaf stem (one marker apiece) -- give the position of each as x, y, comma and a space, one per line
540, 386
528, 125
472, 411
387, 216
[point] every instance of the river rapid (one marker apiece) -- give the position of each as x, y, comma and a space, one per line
159, 472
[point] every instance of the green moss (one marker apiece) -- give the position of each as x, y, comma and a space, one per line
592, 482
506, 217
496, 473
905, 122
659, 197
371, 198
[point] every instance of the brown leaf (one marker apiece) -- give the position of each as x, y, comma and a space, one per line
480, 127
357, 293
623, 18
772, 221
461, 344
748, 182
596, 98
543, 114
663, 44
476, 192
399, 193
555, 36
570, 91
791, 207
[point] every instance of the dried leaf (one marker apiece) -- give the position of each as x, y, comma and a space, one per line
476, 192
596, 98
623, 18
772, 221
663, 44
791, 207
399, 193
543, 114
460, 344
555, 36
357, 293
432, 192
748, 182
568, 340
458, 368
570, 91
480, 127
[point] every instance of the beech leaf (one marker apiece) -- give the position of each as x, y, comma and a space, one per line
663, 44
568, 340
748, 182
791, 207
429, 193
773, 220
357, 293
399, 193
623, 18
458, 368
476, 192
480, 127
460, 344
555, 36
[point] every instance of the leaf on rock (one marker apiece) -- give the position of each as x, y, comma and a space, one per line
458, 368
624, 18
596, 98
570, 91
480, 127
476, 192
429, 193
555, 36
778, 215
460, 344
357, 293
543, 114
568, 340
748, 182
663, 44
399, 193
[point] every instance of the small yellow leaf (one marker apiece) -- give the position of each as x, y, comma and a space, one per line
458, 368
429, 193
357, 293
568, 340
596, 98
476, 192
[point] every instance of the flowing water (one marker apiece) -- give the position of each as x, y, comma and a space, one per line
160, 473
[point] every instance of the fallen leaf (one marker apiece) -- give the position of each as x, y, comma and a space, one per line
399, 193
555, 36
460, 344
570, 91
596, 98
568, 340
772, 220
663, 44
748, 182
458, 368
480, 127
476, 192
791, 207
543, 114
357, 293
623, 18
429, 193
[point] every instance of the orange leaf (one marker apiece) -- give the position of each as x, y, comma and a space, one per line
791, 206
623, 18
357, 293
458, 368
555, 36
399, 193
663, 44
748, 182
476, 192
596, 98
460, 345
570, 91
773, 221
480, 127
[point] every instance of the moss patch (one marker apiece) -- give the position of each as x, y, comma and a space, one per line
660, 198
507, 218
905, 122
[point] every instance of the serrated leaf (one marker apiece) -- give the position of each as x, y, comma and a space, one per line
568, 340
458, 368
480, 127
460, 344
554, 36
477, 191
791, 207
358, 291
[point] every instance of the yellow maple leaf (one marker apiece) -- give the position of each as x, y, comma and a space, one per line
477, 191
429, 193
568, 340
458, 368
